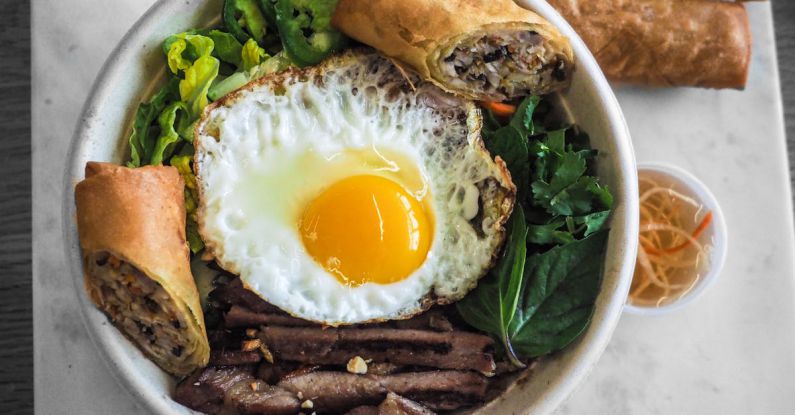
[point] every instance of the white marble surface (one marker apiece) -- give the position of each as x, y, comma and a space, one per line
732, 352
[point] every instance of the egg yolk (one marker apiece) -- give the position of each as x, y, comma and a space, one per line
366, 229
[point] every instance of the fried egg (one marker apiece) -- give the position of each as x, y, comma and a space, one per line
348, 193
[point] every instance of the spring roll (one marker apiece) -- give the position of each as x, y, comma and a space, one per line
488, 50
697, 43
131, 224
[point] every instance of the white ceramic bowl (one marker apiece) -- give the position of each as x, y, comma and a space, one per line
684, 182
137, 63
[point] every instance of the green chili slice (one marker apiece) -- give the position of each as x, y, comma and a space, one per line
305, 28
244, 20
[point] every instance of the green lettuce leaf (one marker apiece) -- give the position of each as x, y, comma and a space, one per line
183, 164
226, 47
183, 49
198, 79
252, 54
141, 140
174, 117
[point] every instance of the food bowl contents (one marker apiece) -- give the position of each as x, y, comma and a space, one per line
378, 243
675, 242
368, 191
136, 263
492, 50
704, 43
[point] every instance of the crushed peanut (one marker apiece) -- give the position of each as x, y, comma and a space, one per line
254, 386
249, 345
307, 404
266, 353
357, 365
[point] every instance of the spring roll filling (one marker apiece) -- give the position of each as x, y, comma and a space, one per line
141, 307
504, 64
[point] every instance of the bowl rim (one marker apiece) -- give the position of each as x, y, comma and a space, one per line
720, 237
151, 398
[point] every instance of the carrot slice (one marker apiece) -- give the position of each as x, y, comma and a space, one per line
500, 109
696, 233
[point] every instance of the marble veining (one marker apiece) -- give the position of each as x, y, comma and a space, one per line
731, 352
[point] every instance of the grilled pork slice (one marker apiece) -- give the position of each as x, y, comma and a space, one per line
444, 350
234, 390
336, 392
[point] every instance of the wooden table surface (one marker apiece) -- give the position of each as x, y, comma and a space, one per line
16, 353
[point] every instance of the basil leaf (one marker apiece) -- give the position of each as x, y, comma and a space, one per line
511, 146
559, 290
492, 305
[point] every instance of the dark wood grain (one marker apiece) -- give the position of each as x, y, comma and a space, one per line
16, 328
784, 16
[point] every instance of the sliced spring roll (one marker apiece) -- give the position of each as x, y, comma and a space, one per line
131, 224
702, 43
489, 50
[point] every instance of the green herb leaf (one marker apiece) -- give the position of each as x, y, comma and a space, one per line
511, 146
593, 222
558, 294
492, 306
549, 234
522, 120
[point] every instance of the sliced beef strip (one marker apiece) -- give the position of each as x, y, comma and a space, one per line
431, 320
204, 390
234, 390
235, 293
257, 397
450, 389
336, 392
383, 368
395, 404
448, 350
234, 357
239, 316
363, 410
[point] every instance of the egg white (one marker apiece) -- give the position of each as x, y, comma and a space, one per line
266, 151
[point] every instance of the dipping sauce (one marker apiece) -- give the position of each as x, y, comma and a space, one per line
674, 241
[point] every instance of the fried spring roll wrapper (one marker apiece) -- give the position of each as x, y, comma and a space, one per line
489, 50
697, 43
131, 224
